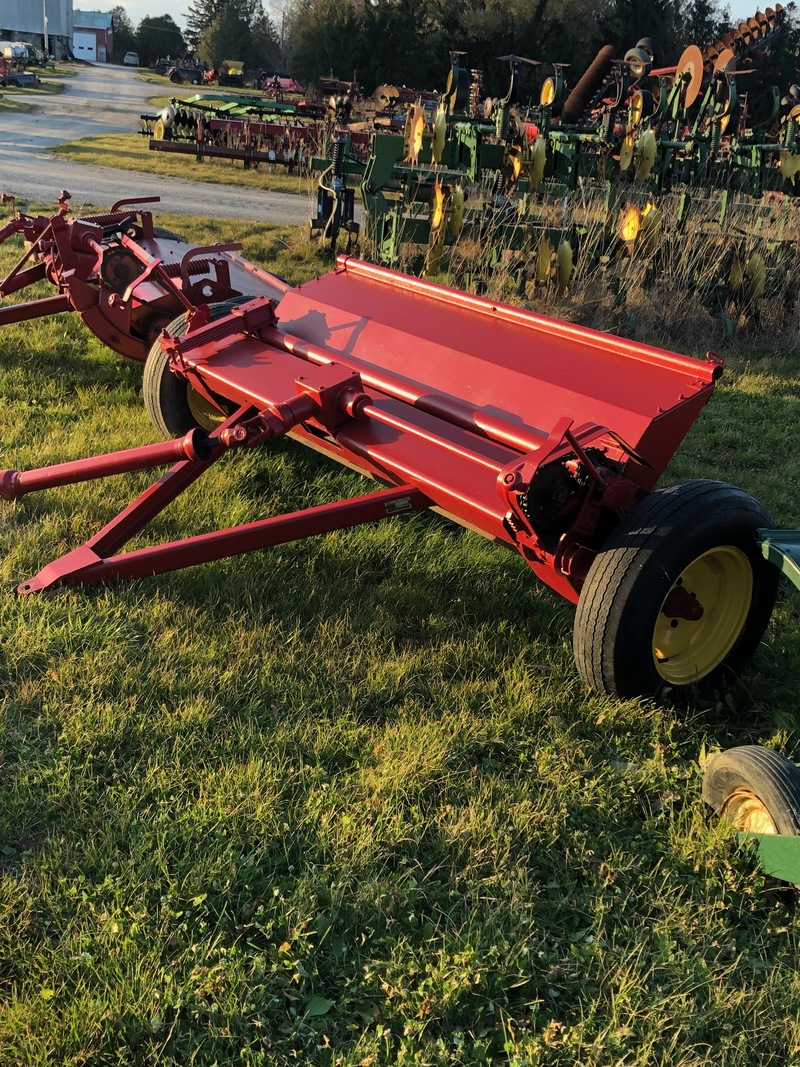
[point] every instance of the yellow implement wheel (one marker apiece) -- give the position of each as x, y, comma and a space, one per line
630, 222
537, 164
415, 126
686, 649
645, 154
650, 233
564, 266
439, 136
626, 151
755, 789
547, 94
204, 414
678, 594
745, 811
437, 209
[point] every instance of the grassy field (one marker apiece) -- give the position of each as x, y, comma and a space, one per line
346, 802
130, 151
51, 84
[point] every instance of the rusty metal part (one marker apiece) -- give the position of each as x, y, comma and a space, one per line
578, 100
725, 63
690, 73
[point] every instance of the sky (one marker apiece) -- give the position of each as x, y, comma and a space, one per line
139, 9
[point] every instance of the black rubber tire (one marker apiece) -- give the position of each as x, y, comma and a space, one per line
620, 603
774, 779
165, 394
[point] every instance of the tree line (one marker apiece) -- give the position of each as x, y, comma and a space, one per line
407, 42
215, 30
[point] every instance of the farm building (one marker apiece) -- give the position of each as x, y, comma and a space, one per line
93, 36
21, 20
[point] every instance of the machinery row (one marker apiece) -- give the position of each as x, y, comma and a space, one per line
617, 166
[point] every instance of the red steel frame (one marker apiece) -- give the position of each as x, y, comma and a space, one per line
125, 281
539, 434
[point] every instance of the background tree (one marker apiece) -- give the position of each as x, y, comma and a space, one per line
326, 38
702, 21
199, 17
159, 36
124, 33
202, 14
226, 38
240, 31
269, 47
408, 42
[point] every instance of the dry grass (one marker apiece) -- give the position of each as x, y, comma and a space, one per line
681, 282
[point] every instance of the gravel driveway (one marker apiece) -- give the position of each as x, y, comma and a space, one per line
109, 99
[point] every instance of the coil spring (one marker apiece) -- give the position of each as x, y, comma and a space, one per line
196, 266
475, 92
501, 122
607, 128
337, 157
111, 219
791, 133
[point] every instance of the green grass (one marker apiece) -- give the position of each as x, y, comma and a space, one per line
51, 83
7, 104
130, 151
346, 801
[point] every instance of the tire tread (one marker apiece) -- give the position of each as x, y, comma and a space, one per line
771, 776
630, 548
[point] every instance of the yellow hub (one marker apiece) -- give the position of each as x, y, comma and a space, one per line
689, 644
204, 413
746, 811
548, 92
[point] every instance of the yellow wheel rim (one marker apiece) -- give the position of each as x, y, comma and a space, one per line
439, 136
745, 811
437, 209
417, 133
630, 223
204, 413
548, 92
636, 109
685, 649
